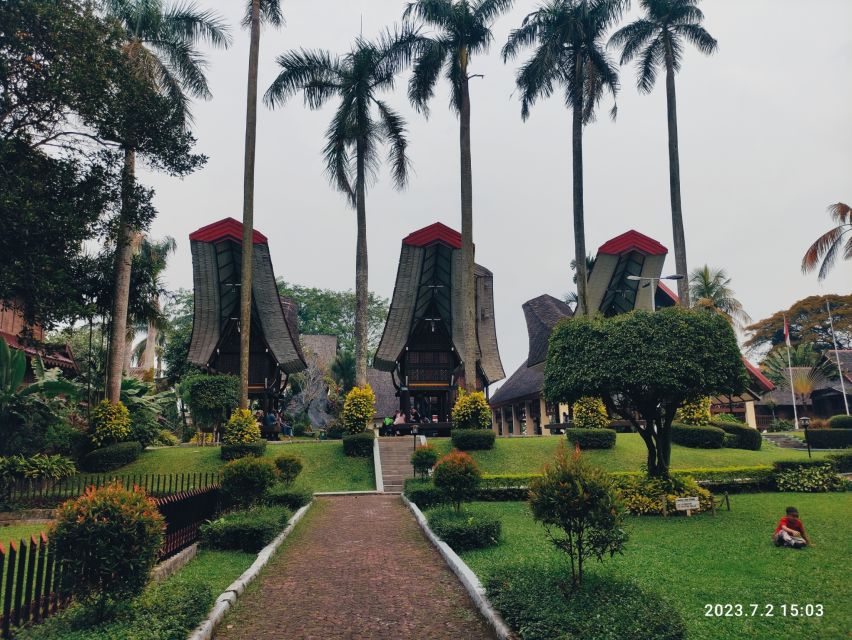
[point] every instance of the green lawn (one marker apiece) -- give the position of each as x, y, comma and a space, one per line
17, 532
527, 455
728, 558
326, 468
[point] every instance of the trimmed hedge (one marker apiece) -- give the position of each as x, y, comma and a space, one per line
842, 461
247, 531
697, 437
464, 530
473, 439
744, 436
785, 465
359, 445
236, 451
830, 438
591, 438
112, 457
292, 498
840, 422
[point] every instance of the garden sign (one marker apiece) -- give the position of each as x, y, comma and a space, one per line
687, 504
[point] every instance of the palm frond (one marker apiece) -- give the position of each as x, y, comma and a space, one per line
318, 73
439, 14
827, 247
394, 132
632, 38
486, 11
186, 21
424, 77
338, 159
270, 13
186, 64
698, 36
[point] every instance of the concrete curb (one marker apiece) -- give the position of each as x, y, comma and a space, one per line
465, 575
228, 598
377, 466
170, 565
347, 493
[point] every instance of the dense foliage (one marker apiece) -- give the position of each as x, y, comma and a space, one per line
744, 436
473, 439
644, 495
289, 467
471, 411
358, 408
830, 438
591, 438
590, 413
242, 450
246, 481
359, 445
699, 437
809, 323
695, 412
457, 475
112, 456
248, 530
810, 479
647, 364
294, 498
840, 422
211, 399
423, 459
110, 424
242, 428
466, 529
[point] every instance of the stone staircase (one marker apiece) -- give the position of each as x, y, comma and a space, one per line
395, 454
784, 441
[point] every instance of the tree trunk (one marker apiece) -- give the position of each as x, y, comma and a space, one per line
248, 204
468, 280
361, 280
121, 288
579, 222
674, 186
149, 355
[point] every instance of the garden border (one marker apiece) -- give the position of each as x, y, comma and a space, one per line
228, 598
464, 573
377, 466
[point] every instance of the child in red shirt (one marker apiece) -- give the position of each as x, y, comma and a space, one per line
790, 531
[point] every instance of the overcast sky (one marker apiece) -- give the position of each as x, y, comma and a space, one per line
765, 146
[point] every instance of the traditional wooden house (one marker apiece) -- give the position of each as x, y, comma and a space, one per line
21, 336
422, 347
275, 351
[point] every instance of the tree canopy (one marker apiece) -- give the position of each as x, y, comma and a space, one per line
646, 365
808, 319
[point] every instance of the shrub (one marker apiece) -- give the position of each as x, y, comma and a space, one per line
830, 438
166, 438
471, 411
744, 437
246, 481
842, 461
292, 498
582, 502
289, 467
359, 445
465, 530
457, 475
144, 427
533, 601
211, 399
108, 539
787, 465
810, 479
358, 408
334, 430
38, 467
780, 425
473, 439
706, 437
242, 428
424, 493
727, 418
840, 422
695, 412
110, 424
235, 451
423, 459
644, 495
591, 438
248, 531
112, 457
590, 413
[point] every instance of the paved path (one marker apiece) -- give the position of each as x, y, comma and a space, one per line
357, 568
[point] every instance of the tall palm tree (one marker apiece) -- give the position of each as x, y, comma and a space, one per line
269, 12
155, 254
160, 43
658, 39
462, 29
711, 289
361, 124
829, 244
567, 37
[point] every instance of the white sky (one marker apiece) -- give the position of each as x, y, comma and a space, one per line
765, 144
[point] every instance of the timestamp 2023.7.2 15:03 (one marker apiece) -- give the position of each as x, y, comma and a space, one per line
731, 610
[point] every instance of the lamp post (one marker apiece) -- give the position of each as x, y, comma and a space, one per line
806, 422
652, 282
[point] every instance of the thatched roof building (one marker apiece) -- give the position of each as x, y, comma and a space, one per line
216, 269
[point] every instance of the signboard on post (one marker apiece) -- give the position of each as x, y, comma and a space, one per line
688, 504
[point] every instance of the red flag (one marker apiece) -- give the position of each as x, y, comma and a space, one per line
786, 331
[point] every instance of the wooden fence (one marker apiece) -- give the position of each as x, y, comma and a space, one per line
31, 578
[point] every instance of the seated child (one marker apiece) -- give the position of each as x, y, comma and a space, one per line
790, 531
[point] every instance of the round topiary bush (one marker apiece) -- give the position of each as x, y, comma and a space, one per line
590, 413
107, 540
698, 437
840, 422
471, 411
358, 408
423, 459
457, 475
110, 423
289, 467
245, 482
473, 439
464, 530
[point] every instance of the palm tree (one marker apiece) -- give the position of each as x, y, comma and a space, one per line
361, 124
567, 36
803, 355
155, 254
268, 11
829, 244
657, 38
462, 29
710, 289
160, 43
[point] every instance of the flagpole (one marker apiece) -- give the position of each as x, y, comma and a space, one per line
837, 356
790, 370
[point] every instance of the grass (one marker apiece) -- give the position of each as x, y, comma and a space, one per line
326, 468
703, 560
527, 455
18, 532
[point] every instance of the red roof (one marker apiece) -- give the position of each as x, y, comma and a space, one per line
225, 228
671, 294
436, 232
757, 374
633, 241
51, 355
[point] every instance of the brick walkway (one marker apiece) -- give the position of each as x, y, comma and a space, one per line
357, 568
